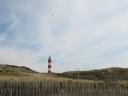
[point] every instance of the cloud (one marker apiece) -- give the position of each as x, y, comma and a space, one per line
90, 33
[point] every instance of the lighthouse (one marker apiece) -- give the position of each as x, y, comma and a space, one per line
49, 64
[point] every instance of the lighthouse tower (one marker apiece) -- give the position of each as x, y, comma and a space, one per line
49, 64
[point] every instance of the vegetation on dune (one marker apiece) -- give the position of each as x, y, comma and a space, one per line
13, 68
25, 73
23, 81
103, 74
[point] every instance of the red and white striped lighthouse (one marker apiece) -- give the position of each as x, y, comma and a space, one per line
49, 64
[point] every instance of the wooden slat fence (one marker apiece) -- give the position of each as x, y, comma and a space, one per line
52, 88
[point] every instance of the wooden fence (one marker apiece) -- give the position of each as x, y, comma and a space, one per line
68, 88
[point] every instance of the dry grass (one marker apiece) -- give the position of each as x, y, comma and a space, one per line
36, 77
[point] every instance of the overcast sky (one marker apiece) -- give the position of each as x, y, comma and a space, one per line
89, 34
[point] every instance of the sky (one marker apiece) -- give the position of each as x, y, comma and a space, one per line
84, 34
